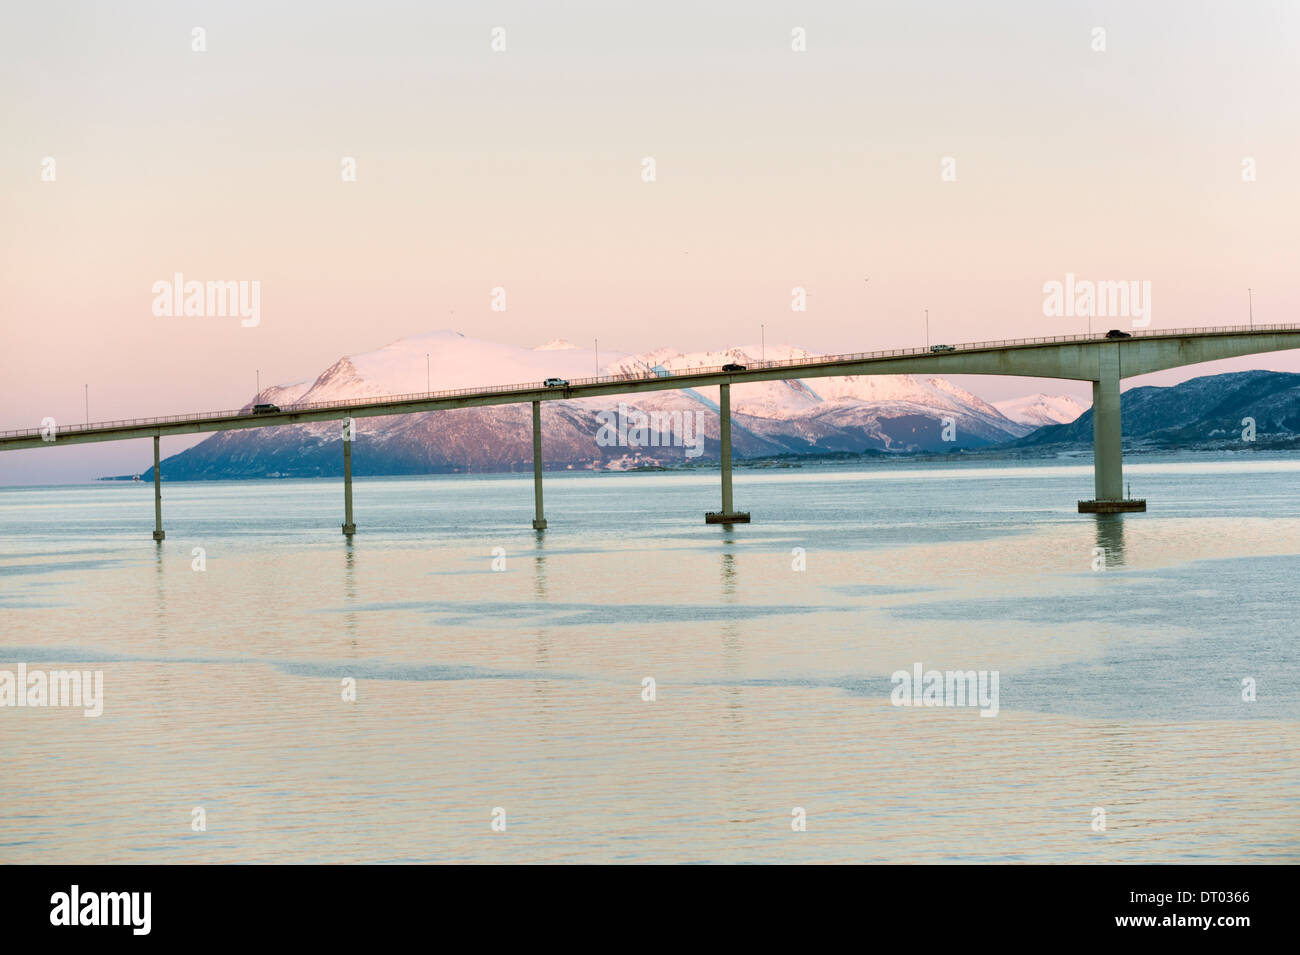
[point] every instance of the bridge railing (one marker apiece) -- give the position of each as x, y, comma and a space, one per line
656, 374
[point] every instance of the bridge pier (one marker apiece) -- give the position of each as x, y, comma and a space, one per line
1107, 441
158, 532
728, 514
539, 521
349, 528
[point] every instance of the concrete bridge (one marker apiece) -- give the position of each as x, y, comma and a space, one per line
1103, 361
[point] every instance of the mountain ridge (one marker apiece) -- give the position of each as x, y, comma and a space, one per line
890, 414
894, 413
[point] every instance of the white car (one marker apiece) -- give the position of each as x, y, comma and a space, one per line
556, 383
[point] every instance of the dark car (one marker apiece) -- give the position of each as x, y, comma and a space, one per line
1116, 333
732, 366
266, 409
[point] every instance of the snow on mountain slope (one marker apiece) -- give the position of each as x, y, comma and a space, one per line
889, 413
762, 399
280, 394
795, 398
454, 361
1040, 409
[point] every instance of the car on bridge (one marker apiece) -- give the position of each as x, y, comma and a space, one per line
942, 348
1116, 333
266, 409
556, 383
732, 366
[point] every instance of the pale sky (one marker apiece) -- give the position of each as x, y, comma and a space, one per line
522, 169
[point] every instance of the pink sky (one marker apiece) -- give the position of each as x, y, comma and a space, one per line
522, 170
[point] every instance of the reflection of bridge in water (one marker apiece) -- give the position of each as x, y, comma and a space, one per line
1102, 361
1110, 538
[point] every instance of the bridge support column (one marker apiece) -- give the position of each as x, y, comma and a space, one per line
728, 514
349, 528
1107, 442
539, 521
158, 532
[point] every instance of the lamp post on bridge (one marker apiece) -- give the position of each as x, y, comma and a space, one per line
1250, 304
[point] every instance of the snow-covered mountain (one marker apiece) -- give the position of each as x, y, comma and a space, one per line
453, 361
844, 413
1038, 410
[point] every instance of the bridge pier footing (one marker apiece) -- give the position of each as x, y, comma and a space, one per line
728, 514
158, 532
349, 528
1107, 441
539, 521
1112, 507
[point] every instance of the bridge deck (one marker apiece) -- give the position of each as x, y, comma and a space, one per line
658, 380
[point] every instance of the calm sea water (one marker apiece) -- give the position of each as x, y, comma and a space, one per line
521, 689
